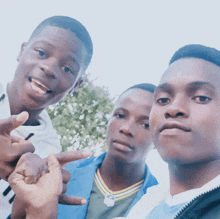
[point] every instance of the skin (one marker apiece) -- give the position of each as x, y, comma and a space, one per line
185, 122
26, 181
41, 198
128, 125
11, 147
54, 58
128, 139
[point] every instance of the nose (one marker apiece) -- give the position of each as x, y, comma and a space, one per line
48, 67
128, 129
178, 108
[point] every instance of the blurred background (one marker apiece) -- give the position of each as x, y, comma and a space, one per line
133, 43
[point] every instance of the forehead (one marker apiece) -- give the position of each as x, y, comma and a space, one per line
189, 70
135, 98
60, 38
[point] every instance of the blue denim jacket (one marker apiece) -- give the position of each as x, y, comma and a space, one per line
81, 183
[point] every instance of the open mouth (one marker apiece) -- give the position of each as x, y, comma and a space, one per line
38, 86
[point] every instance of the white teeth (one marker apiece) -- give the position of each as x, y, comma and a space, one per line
38, 86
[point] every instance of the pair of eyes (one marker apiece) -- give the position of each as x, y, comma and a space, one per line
121, 116
42, 54
197, 99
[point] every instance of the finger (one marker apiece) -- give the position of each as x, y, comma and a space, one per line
16, 181
5, 173
66, 175
64, 188
66, 157
31, 167
13, 122
54, 175
18, 149
70, 200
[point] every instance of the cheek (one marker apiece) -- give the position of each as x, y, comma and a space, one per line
207, 120
144, 139
109, 130
65, 83
155, 118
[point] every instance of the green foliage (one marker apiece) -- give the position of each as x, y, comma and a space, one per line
81, 119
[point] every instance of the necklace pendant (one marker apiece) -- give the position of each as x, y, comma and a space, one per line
109, 200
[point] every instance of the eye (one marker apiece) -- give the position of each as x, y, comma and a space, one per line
119, 116
67, 69
41, 52
202, 99
146, 125
163, 101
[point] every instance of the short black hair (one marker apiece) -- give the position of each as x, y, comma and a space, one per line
197, 51
73, 25
145, 86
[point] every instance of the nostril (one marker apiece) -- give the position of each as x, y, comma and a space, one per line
179, 114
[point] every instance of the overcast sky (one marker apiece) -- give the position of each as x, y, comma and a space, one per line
133, 39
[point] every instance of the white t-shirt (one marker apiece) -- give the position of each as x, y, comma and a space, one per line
45, 141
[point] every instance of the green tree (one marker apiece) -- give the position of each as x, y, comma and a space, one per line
81, 119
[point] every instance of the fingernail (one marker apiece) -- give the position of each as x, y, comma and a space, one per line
22, 116
86, 153
83, 201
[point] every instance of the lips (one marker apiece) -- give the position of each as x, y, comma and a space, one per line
38, 86
122, 145
175, 126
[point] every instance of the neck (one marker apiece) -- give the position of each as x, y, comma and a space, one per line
119, 175
192, 176
17, 107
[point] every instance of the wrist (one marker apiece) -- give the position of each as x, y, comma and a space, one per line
46, 211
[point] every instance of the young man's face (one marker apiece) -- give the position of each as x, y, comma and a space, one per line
128, 135
48, 67
185, 117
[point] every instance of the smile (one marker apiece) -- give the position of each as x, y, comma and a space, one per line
37, 86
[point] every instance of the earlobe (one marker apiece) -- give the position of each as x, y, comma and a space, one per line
21, 51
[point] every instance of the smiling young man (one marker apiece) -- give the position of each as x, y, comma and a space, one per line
50, 65
185, 124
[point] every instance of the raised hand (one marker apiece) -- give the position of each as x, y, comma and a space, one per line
11, 147
39, 199
32, 167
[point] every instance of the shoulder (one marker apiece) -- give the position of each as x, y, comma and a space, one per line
151, 199
206, 206
91, 161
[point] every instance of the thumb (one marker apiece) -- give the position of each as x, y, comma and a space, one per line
13, 122
55, 173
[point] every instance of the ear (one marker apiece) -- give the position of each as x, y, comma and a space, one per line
78, 83
21, 51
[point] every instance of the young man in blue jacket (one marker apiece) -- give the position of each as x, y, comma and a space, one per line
113, 182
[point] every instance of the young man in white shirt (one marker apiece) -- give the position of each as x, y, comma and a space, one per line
185, 124
50, 65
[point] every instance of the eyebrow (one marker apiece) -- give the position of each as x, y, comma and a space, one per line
143, 117
164, 87
197, 84
192, 86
